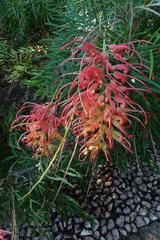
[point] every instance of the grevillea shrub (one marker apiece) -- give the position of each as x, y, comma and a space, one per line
99, 104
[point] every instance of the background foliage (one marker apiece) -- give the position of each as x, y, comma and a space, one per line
32, 33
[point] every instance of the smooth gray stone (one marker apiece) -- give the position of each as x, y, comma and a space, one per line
94, 204
123, 197
153, 217
133, 216
146, 219
102, 238
118, 210
146, 204
158, 208
103, 222
155, 204
110, 224
103, 197
77, 228
107, 214
137, 198
143, 212
78, 220
86, 232
98, 212
59, 237
143, 188
109, 236
88, 238
127, 210
95, 225
137, 208
127, 219
104, 230
115, 234
134, 228
130, 194
128, 228
148, 196
109, 198
123, 232
129, 202
96, 235
149, 185
120, 221
110, 206
87, 224
157, 198
138, 180
139, 222
158, 214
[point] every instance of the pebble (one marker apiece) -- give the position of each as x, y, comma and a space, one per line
109, 236
149, 185
118, 210
95, 225
102, 222
133, 216
128, 228
123, 232
78, 220
127, 219
98, 212
102, 238
146, 204
120, 221
127, 210
143, 212
87, 225
158, 214
104, 230
158, 208
110, 206
86, 232
129, 202
138, 180
130, 194
110, 224
94, 204
107, 214
88, 238
103, 197
148, 196
146, 219
96, 235
134, 228
115, 234
123, 197
59, 237
143, 188
139, 222
77, 228
153, 217
137, 208
136, 198
107, 200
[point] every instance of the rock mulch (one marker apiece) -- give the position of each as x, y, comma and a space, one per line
122, 205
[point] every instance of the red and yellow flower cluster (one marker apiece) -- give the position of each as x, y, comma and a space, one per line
99, 103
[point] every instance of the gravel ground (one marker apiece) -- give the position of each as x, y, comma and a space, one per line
124, 207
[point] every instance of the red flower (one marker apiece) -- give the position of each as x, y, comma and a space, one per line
99, 102
41, 127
